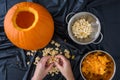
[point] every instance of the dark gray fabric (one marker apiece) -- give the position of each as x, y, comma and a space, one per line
13, 60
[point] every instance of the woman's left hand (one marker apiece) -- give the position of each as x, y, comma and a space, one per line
42, 69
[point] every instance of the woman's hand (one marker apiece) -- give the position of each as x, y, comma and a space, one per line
42, 69
65, 68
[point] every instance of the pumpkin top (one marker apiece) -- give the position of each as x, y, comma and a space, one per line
25, 17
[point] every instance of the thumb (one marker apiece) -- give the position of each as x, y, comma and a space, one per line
49, 68
58, 66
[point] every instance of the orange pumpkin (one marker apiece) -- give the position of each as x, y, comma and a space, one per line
29, 25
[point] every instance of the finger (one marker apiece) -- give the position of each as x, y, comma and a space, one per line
49, 67
58, 66
61, 57
44, 59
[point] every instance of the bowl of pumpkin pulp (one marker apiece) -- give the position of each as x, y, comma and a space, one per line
97, 65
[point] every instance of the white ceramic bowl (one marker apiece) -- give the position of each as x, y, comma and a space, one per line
93, 20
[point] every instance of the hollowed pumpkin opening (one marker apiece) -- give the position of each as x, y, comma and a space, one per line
25, 19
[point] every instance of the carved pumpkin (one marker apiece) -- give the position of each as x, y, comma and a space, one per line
29, 26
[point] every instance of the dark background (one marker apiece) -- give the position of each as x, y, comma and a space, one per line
13, 60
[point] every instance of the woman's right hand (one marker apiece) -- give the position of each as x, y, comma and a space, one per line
64, 66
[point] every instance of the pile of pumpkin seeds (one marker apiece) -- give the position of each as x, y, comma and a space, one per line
50, 51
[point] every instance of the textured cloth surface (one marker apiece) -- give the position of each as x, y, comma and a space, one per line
13, 60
